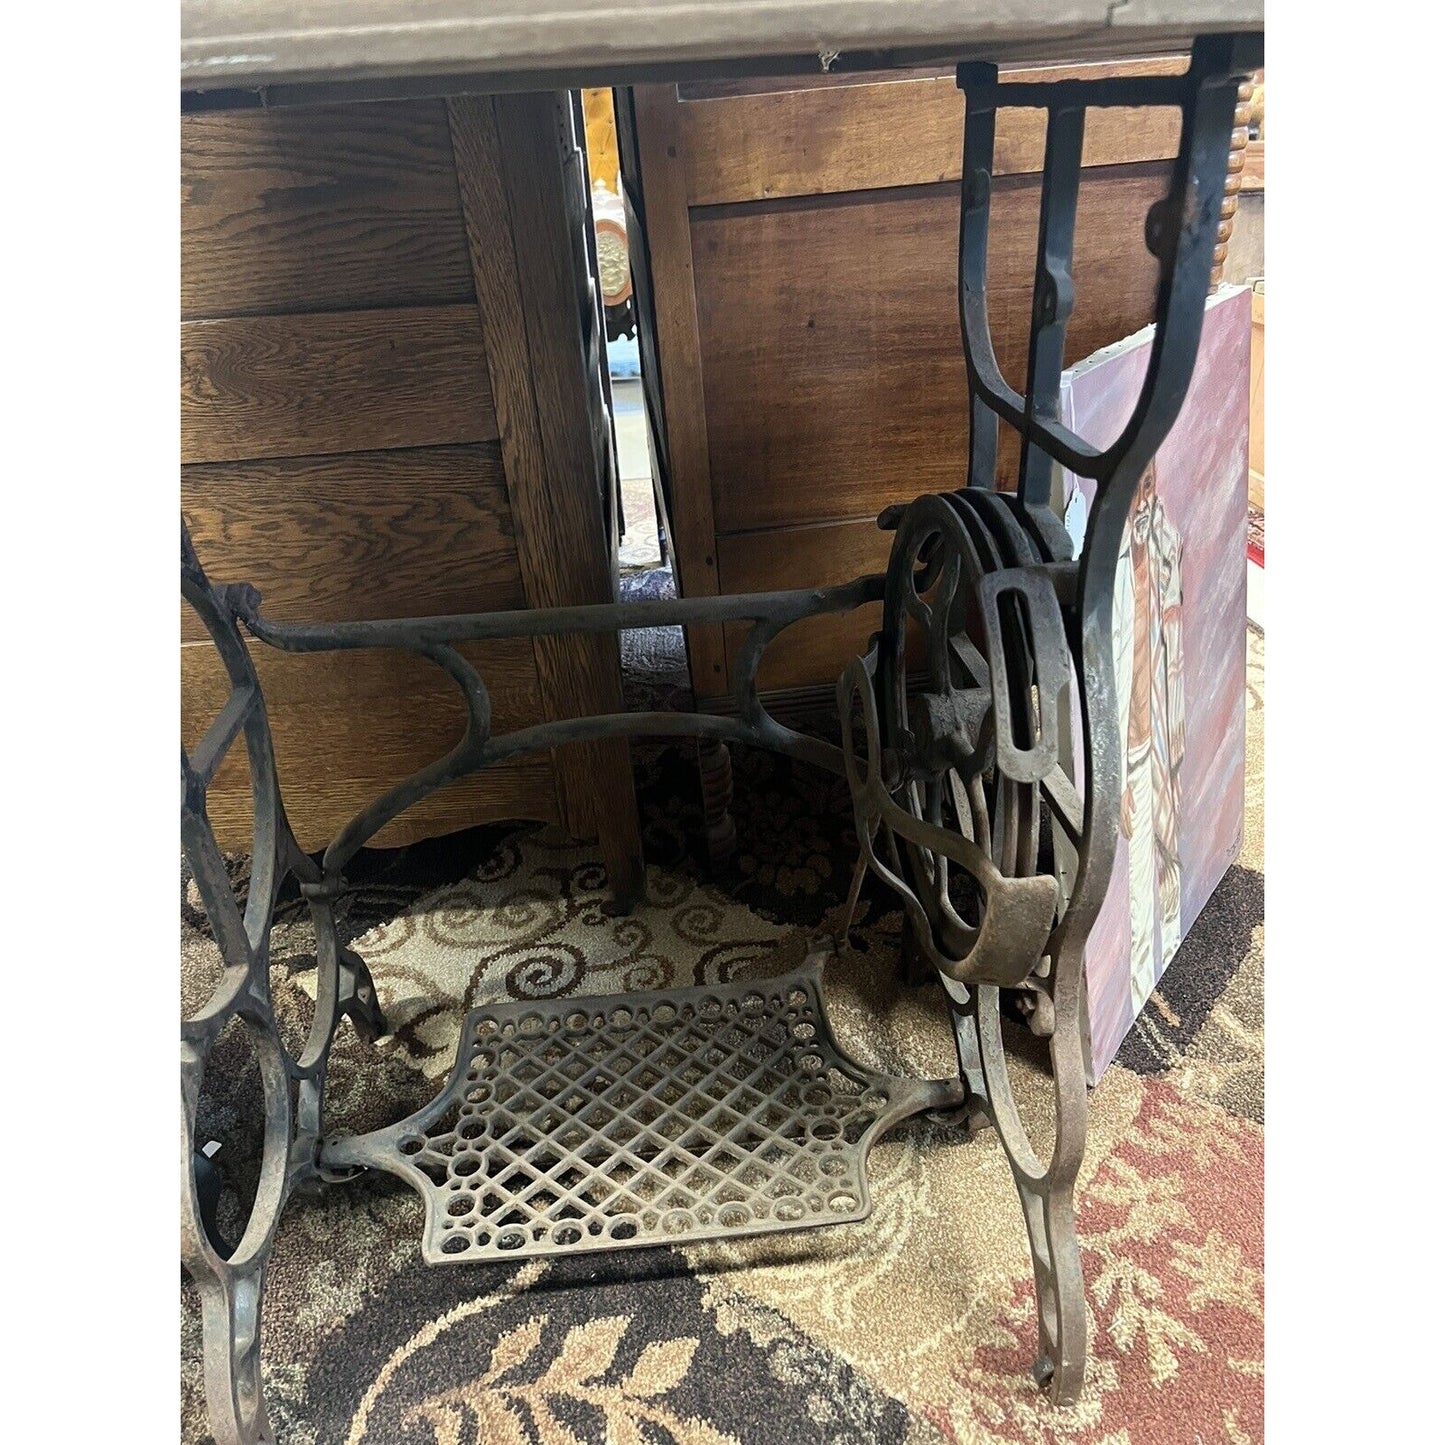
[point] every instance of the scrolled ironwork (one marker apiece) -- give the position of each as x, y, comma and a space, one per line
230, 1280
962, 801
1006, 612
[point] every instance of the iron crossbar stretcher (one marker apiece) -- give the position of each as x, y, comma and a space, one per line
631, 1120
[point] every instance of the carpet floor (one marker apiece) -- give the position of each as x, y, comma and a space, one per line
914, 1326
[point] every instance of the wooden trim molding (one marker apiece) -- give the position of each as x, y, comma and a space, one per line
661, 153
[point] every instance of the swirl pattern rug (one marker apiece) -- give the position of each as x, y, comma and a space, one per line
914, 1326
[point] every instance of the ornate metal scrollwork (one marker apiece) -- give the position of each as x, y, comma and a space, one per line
230, 1280
963, 789
964, 775
963, 803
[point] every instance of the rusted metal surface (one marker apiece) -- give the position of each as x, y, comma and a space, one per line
960, 800
575, 1125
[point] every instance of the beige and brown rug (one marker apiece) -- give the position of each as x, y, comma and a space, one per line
915, 1326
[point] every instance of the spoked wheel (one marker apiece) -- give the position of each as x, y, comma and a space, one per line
952, 770
972, 757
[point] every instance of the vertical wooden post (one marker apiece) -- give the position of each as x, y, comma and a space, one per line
520, 219
679, 351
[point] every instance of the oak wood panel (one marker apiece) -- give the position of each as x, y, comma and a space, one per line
831, 358
894, 133
814, 651
325, 208
348, 725
679, 349
372, 534
269, 386
514, 178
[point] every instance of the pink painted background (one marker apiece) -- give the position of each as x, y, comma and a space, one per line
1202, 472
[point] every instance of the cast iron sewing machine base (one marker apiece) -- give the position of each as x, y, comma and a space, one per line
692, 1114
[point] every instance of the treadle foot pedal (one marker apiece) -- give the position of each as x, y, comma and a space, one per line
583, 1124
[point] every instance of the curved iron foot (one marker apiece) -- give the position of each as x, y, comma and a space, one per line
1046, 1190
357, 999
950, 781
231, 1322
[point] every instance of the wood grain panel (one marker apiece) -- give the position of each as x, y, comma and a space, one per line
270, 386
831, 356
895, 133
347, 725
522, 208
816, 651
331, 208
373, 534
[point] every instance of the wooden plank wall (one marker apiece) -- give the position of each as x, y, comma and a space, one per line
803, 241
342, 450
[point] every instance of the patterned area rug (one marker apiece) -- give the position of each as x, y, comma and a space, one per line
915, 1326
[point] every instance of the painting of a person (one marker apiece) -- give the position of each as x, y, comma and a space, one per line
1148, 594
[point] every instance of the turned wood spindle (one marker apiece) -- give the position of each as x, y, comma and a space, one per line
716, 771
1238, 139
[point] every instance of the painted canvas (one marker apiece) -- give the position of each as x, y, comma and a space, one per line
1179, 651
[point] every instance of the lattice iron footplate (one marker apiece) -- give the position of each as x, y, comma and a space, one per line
576, 1125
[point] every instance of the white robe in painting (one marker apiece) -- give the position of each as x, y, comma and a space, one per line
1148, 592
